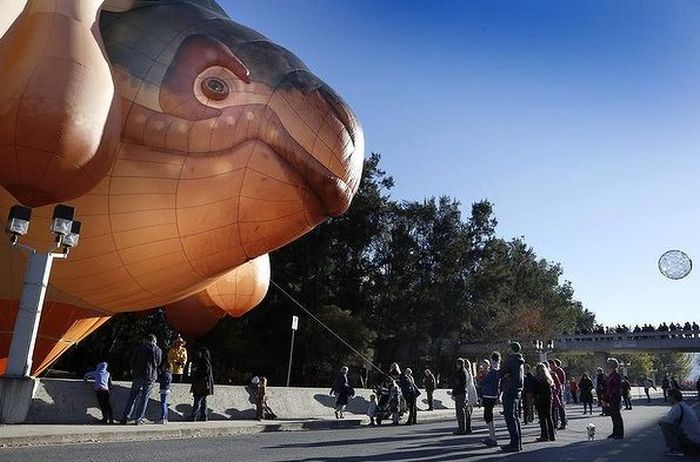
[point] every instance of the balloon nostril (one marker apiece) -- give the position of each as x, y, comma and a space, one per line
340, 110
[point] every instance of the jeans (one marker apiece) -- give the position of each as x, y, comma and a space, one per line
199, 406
562, 413
461, 411
489, 404
164, 405
616, 416
510, 413
140, 388
544, 414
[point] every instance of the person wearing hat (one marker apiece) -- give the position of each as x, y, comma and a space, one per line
512, 378
177, 358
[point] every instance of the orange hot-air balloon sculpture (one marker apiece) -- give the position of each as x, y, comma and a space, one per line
189, 145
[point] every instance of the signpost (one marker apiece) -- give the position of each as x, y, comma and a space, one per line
295, 326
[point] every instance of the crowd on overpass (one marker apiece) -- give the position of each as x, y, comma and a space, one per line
688, 327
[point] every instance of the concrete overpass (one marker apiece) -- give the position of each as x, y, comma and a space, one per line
604, 344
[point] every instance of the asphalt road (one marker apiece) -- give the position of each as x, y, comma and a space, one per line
429, 441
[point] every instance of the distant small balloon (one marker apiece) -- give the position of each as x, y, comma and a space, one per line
675, 264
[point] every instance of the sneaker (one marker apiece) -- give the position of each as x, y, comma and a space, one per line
675, 453
488, 442
164, 422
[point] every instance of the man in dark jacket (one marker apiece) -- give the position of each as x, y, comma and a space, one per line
613, 398
512, 374
144, 368
459, 393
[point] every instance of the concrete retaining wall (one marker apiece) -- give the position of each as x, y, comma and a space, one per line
72, 401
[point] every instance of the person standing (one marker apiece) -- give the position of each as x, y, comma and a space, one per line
165, 379
144, 366
459, 394
177, 358
626, 390
472, 394
543, 388
512, 384
490, 391
557, 370
103, 385
341, 390
600, 390
573, 387
202, 384
556, 394
680, 427
528, 396
648, 383
697, 387
429, 383
260, 396
586, 387
613, 398
394, 400
410, 393
665, 386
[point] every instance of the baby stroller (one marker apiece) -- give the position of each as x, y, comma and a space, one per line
385, 405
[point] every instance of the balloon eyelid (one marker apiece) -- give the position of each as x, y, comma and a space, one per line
239, 69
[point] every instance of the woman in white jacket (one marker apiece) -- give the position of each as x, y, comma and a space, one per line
472, 397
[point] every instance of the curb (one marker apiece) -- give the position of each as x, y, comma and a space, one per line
173, 431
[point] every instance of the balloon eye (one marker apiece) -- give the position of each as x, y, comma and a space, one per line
214, 88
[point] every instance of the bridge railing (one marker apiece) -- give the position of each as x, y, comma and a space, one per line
627, 336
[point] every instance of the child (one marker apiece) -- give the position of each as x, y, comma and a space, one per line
372, 409
165, 379
394, 401
103, 384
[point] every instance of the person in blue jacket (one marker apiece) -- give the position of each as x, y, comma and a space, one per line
103, 385
490, 391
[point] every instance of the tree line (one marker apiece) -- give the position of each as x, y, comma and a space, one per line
406, 281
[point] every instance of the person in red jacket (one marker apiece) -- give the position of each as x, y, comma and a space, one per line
560, 403
573, 388
613, 397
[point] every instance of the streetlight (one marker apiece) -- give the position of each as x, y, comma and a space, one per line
16, 387
543, 349
295, 326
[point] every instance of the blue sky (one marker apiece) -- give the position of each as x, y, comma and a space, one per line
579, 120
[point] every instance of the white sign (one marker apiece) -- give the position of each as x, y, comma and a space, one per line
295, 322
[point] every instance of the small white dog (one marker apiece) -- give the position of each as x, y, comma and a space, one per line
590, 429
